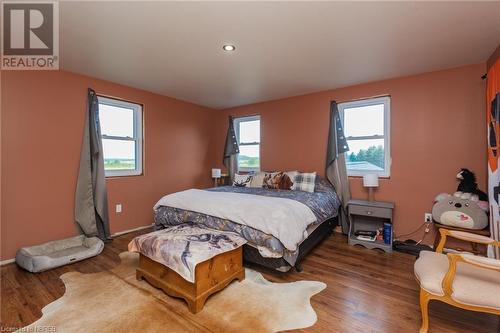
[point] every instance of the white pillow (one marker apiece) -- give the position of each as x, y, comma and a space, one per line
292, 174
242, 180
258, 179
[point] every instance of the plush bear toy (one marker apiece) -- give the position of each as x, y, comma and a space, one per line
455, 211
467, 189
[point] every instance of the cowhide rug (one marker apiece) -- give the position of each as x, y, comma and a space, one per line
114, 301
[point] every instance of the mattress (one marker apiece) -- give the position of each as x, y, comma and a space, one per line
324, 204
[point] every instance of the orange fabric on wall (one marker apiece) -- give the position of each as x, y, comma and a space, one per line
492, 91
493, 87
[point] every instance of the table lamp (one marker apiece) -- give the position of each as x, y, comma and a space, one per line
216, 173
370, 181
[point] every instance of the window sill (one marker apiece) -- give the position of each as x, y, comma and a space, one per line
248, 170
124, 176
361, 177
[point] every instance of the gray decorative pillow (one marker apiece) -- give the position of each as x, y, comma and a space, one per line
304, 182
242, 180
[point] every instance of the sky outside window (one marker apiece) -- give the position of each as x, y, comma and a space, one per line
364, 121
250, 131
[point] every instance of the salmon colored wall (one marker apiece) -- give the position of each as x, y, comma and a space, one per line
493, 58
42, 126
437, 127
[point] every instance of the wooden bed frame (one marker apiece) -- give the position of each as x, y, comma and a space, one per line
211, 276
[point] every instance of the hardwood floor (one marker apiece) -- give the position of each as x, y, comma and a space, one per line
368, 291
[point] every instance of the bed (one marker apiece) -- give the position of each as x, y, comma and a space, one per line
270, 249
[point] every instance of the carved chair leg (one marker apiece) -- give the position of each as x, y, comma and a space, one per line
436, 241
424, 308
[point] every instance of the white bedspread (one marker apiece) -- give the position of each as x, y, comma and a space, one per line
285, 219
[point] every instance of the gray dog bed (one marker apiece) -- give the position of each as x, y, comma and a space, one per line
58, 253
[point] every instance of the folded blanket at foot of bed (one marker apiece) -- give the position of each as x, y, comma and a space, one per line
182, 247
268, 245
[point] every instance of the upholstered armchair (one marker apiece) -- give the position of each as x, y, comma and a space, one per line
463, 280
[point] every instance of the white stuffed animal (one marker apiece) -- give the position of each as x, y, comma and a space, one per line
453, 210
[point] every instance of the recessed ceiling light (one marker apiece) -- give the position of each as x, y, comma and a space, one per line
229, 48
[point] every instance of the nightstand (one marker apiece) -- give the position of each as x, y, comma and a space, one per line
370, 216
224, 180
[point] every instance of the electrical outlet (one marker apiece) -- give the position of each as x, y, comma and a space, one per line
119, 208
428, 218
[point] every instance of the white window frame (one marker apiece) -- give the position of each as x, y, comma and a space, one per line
236, 124
386, 101
137, 138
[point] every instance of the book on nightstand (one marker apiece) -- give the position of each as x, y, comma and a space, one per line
366, 238
370, 233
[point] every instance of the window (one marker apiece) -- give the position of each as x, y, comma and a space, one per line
366, 127
247, 131
121, 130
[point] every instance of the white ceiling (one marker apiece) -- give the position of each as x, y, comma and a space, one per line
282, 48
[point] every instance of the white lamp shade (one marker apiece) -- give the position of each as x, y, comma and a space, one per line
216, 173
370, 180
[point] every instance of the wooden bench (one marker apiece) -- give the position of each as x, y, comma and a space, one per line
211, 276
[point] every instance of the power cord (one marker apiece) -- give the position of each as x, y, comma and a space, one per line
426, 224
427, 229
410, 233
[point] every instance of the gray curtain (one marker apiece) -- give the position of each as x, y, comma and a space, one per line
336, 171
91, 198
231, 150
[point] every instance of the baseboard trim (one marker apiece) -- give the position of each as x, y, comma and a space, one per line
119, 233
7, 261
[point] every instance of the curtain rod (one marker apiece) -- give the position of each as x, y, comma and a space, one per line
118, 98
361, 99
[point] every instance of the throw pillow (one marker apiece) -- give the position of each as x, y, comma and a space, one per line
279, 180
304, 182
292, 174
242, 180
258, 179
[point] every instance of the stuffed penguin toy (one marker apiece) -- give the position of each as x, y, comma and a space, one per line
467, 189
